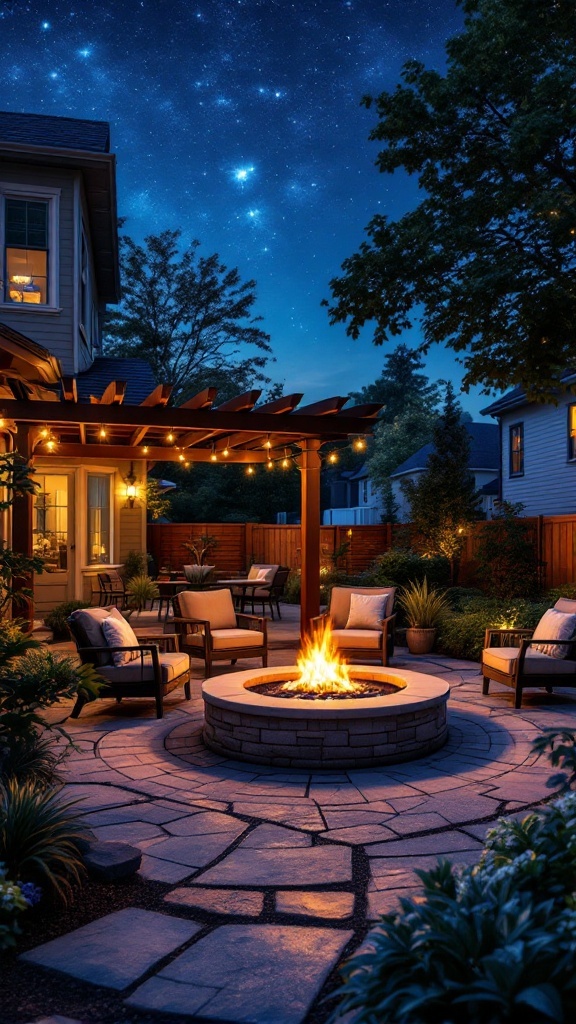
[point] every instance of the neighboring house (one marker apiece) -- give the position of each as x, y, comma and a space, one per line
484, 464
354, 501
59, 239
538, 451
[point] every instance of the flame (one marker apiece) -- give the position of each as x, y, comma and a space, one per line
321, 668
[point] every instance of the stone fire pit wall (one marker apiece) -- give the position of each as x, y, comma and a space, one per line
297, 733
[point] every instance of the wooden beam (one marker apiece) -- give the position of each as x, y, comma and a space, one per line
113, 394
69, 389
310, 464
370, 410
22, 525
203, 400
284, 404
154, 454
159, 396
326, 407
82, 431
242, 403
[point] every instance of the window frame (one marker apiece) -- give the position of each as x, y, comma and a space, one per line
519, 426
108, 475
34, 193
571, 432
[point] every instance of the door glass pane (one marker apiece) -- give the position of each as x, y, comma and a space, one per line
51, 521
99, 519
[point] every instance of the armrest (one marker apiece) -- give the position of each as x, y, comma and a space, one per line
493, 631
181, 621
256, 622
160, 639
319, 620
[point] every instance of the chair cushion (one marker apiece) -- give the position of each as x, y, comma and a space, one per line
340, 602
228, 639
535, 663
216, 606
554, 625
368, 639
172, 665
366, 611
119, 633
564, 604
269, 570
90, 634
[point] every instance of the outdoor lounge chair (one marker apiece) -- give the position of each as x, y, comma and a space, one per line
150, 672
353, 637
209, 628
517, 660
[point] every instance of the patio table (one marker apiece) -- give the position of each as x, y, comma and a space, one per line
245, 585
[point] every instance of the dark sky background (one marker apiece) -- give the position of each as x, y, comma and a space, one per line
239, 121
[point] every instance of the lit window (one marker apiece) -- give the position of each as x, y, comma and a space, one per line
51, 521
572, 432
517, 449
99, 519
26, 250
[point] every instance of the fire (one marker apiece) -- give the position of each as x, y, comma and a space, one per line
321, 668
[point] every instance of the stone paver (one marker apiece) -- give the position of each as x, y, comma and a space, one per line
335, 905
117, 949
315, 866
219, 901
257, 973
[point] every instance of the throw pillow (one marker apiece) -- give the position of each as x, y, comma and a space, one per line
554, 625
119, 633
366, 611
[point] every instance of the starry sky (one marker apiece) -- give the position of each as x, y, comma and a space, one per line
239, 121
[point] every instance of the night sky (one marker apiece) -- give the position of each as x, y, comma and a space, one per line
240, 123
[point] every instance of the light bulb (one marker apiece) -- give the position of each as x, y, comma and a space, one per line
250, 471
102, 433
285, 463
226, 453
181, 457
145, 449
332, 457
269, 464
170, 437
359, 444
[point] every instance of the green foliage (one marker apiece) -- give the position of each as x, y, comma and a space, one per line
400, 385
567, 590
559, 745
394, 443
157, 503
41, 836
140, 590
423, 607
400, 566
16, 479
189, 316
444, 500
12, 903
490, 944
506, 556
200, 548
329, 578
461, 634
55, 619
135, 564
221, 493
486, 259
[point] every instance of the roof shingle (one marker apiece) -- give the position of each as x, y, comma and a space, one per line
136, 372
55, 132
484, 450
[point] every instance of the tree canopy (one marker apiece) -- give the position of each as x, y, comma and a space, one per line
487, 258
190, 316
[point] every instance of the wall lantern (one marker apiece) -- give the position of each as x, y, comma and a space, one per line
131, 488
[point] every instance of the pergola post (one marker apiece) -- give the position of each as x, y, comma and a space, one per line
310, 464
22, 526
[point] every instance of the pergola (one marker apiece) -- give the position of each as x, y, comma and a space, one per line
36, 398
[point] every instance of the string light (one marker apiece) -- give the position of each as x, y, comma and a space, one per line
50, 441
213, 456
269, 464
182, 457
145, 450
267, 443
186, 465
226, 451
359, 444
333, 458
102, 433
250, 471
170, 437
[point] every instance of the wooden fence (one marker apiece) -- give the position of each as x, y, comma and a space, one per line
354, 548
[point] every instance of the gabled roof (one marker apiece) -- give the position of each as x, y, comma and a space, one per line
137, 373
62, 132
484, 451
517, 397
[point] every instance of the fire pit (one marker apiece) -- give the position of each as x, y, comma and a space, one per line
310, 716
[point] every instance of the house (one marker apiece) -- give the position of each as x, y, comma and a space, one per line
484, 465
354, 501
538, 450
59, 238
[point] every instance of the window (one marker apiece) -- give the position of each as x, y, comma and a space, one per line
29, 243
51, 521
517, 449
572, 432
99, 519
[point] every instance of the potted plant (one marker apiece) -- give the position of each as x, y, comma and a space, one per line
423, 608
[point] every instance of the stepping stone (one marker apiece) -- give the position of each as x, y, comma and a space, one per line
335, 905
268, 837
111, 861
197, 851
163, 870
219, 901
247, 973
318, 865
117, 949
205, 823
95, 797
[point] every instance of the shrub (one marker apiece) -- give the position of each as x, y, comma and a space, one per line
140, 590
490, 944
461, 634
12, 903
135, 564
399, 567
329, 578
506, 557
56, 619
423, 607
41, 836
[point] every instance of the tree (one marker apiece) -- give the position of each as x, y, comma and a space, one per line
393, 444
189, 316
488, 255
399, 385
444, 501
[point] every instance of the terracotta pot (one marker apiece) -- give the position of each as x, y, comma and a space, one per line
420, 641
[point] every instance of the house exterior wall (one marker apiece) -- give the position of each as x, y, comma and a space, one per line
481, 477
548, 484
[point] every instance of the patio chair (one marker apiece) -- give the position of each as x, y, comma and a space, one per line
532, 658
112, 589
146, 670
209, 628
258, 570
361, 629
270, 595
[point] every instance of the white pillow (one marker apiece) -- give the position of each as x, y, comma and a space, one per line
366, 611
119, 633
265, 574
554, 625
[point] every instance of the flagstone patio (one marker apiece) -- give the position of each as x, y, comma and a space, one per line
273, 876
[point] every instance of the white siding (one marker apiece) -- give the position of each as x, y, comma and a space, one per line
548, 486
